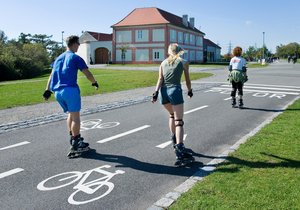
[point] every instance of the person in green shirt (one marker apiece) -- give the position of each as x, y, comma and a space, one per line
169, 89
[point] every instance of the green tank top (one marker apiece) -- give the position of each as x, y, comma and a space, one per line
172, 72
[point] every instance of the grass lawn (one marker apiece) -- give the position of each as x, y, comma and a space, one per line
25, 92
264, 173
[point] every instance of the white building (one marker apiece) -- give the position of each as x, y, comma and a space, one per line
95, 48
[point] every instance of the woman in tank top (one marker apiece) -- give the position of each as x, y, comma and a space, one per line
170, 93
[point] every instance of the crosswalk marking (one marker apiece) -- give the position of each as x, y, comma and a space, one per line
278, 86
268, 88
259, 91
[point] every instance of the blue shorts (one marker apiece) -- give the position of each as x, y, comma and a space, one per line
171, 95
69, 99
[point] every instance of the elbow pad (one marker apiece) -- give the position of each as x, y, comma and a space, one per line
230, 67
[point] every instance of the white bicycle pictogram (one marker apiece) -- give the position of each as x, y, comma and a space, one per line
96, 123
83, 189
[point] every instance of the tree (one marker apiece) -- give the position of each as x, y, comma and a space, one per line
24, 38
288, 50
3, 37
251, 53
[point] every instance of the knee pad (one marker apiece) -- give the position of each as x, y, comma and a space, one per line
179, 122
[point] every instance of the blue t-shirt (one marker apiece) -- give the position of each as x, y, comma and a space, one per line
65, 69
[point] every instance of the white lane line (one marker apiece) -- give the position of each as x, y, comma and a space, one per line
11, 172
226, 99
164, 145
262, 85
15, 145
268, 88
196, 109
261, 91
283, 86
123, 134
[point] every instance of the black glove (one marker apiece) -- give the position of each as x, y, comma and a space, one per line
154, 96
96, 85
190, 93
47, 94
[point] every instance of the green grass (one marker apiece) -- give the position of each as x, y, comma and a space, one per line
26, 92
256, 65
262, 174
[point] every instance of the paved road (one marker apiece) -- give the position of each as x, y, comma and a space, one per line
131, 164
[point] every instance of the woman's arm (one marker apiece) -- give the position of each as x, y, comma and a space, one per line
187, 76
159, 83
160, 79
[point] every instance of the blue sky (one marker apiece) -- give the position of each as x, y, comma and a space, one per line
225, 22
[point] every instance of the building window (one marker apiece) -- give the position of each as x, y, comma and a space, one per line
156, 55
192, 39
140, 34
173, 37
186, 38
180, 37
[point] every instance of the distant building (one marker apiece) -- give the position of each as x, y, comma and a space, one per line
143, 36
95, 48
212, 51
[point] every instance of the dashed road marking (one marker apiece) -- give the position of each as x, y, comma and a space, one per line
164, 145
196, 109
11, 172
15, 145
124, 134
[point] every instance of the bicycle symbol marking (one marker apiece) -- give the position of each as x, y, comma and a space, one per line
83, 188
96, 123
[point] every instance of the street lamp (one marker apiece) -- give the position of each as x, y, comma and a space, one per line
62, 39
263, 45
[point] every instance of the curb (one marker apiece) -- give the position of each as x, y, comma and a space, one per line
100, 108
167, 200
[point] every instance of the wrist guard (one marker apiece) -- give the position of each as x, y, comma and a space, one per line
95, 84
47, 94
190, 93
154, 96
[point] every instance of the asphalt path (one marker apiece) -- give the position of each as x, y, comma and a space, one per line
131, 162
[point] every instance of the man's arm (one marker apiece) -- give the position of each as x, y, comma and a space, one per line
90, 77
47, 93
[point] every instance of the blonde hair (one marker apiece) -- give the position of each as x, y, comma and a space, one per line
174, 51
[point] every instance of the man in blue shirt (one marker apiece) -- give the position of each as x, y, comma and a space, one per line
63, 82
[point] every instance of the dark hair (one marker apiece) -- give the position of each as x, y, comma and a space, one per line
237, 51
72, 40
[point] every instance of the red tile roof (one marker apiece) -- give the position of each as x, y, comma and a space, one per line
152, 16
101, 36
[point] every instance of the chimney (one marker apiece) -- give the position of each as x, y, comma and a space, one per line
192, 22
185, 20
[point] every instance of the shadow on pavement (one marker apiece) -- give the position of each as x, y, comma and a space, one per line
264, 110
123, 162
